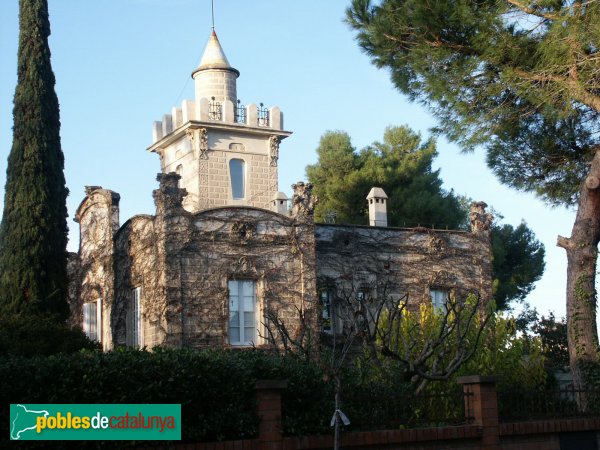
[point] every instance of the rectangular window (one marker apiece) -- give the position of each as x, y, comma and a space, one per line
92, 319
439, 298
327, 321
134, 318
242, 312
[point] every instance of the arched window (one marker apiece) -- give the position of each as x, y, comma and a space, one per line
237, 175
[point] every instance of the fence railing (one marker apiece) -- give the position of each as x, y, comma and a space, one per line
215, 110
263, 116
524, 404
368, 412
240, 112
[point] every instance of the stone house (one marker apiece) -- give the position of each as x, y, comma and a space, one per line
225, 256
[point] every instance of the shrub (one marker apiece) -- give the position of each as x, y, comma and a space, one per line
40, 335
214, 387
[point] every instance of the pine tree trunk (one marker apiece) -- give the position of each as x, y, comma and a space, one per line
582, 252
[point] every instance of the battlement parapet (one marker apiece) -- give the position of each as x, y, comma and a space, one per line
225, 112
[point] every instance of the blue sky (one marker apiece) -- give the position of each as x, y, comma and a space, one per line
121, 64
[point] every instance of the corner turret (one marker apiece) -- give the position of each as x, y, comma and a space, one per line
214, 78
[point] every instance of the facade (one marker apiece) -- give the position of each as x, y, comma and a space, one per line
227, 259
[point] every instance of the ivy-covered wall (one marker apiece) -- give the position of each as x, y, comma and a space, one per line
182, 263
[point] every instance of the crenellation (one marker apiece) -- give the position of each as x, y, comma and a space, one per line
252, 115
228, 116
177, 117
167, 124
275, 118
188, 111
157, 131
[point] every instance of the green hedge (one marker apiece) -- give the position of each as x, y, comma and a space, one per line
214, 387
40, 335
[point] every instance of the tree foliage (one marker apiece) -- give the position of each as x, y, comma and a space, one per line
33, 233
430, 344
553, 334
521, 78
402, 166
498, 73
518, 262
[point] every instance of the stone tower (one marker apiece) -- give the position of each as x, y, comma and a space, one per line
215, 77
226, 153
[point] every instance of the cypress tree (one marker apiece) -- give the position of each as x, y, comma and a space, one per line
33, 233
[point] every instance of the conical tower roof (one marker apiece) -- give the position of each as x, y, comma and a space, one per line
214, 57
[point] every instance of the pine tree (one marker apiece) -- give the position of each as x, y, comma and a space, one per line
400, 164
33, 233
521, 78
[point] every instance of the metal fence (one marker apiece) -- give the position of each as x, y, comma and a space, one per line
240, 112
368, 412
524, 404
263, 116
215, 110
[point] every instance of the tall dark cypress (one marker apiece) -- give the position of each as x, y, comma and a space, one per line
33, 233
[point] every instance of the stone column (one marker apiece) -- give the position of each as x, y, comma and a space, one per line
270, 430
481, 403
171, 226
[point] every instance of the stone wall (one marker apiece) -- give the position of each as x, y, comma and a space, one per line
137, 265
98, 218
220, 84
398, 263
246, 244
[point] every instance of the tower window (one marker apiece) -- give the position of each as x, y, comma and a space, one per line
237, 175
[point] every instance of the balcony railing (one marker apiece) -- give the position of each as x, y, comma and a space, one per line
240, 113
215, 110
263, 116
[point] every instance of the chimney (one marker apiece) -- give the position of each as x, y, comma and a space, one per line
279, 204
377, 199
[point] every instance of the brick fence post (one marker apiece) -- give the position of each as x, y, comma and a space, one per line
482, 401
270, 430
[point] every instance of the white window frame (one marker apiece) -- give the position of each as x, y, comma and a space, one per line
237, 289
439, 298
92, 323
134, 318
